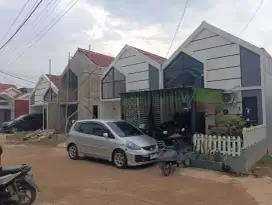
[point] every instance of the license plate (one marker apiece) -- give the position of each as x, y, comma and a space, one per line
154, 156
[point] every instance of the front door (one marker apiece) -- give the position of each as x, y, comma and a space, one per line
250, 109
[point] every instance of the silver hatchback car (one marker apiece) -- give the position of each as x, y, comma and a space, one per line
117, 141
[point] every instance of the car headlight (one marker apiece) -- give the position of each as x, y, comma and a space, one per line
132, 146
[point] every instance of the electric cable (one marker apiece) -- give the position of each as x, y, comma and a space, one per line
13, 23
180, 20
252, 18
21, 26
37, 40
37, 24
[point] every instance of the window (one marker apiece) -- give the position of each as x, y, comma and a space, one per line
98, 130
86, 128
72, 80
124, 129
184, 71
113, 84
95, 111
2, 103
92, 129
77, 126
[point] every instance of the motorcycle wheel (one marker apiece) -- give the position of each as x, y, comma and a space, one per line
187, 162
28, 194
165, 168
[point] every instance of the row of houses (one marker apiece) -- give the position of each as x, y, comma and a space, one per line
91, 83
13, 102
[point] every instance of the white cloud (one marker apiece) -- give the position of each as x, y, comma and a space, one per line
108, 29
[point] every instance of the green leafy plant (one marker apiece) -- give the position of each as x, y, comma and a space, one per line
233, 124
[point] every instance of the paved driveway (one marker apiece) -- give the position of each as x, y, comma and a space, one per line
66, 182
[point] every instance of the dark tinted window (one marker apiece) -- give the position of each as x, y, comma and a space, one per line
77, 126
86, 128
92, 129
124, 129
97, 129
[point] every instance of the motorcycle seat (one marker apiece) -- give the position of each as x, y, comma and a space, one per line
12, 169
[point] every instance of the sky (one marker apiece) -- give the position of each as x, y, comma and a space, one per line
107, 25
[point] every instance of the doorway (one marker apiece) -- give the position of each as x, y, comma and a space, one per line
44, 118
95, 111
251, 104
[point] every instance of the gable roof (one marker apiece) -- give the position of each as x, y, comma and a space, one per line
152, 56
224, 34
4, 87
55, 79
98, 58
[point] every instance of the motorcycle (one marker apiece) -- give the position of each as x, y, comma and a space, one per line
173, 156
17, 186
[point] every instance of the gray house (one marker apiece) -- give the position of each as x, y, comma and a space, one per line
213, 58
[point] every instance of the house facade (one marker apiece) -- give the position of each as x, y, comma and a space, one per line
132, 70
80, 86
13, 102
213, 58
44, 99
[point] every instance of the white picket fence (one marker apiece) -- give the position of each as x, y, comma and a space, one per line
229, 145
225, 145
253, 135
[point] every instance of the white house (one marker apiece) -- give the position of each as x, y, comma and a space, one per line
45, 91
132, 70
213, 58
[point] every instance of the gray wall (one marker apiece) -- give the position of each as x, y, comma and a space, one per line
258, 94
154, 78
250, 68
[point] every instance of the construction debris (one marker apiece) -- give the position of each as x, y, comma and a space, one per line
38, 135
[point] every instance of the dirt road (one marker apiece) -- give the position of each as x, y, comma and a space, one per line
66, 182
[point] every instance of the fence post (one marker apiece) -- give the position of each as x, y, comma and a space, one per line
224, 145
239, 146
233, 141
229, 145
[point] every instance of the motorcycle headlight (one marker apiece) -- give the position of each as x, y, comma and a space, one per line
132, 146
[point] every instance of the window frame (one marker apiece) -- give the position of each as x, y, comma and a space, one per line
115, 94
106, 130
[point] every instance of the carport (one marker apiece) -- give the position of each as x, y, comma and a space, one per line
153, 108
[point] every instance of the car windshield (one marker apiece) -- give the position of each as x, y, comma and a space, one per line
19, 118
124, 129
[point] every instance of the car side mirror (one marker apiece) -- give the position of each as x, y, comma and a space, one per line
164, 132
106, 135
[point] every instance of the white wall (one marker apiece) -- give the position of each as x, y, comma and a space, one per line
267, 63
40, 91
136, 70
110, 110
222, 68
222, 59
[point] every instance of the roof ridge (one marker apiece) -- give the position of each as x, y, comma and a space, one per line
95, 52
147, 51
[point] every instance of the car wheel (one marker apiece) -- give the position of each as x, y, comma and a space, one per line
120, 159
187, 162
73, 152
14, 129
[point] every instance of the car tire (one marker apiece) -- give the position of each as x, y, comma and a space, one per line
119, 159
73, 152
13, 130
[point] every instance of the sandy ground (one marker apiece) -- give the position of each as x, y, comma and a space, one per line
67, 182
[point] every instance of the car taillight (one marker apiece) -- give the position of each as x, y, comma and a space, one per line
174, 133
161, 155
